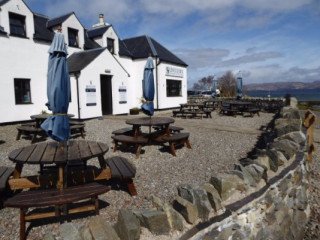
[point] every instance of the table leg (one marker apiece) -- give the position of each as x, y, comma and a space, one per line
17, 170
167, 130
61, 180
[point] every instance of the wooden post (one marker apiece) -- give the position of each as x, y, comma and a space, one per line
309, 120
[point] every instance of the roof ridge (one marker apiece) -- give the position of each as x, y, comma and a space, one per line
153, 49
63, 15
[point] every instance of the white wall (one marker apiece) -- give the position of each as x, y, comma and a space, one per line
170, 102
72, 22
91, 76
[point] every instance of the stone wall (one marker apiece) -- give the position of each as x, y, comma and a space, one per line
265, 196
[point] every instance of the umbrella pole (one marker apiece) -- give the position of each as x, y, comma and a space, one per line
150, 125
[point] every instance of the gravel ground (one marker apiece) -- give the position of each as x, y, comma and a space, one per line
217, 144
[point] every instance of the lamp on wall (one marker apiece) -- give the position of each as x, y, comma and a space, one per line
107, 71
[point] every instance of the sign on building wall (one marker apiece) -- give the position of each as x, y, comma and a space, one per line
122, 94
175, 72
91, 95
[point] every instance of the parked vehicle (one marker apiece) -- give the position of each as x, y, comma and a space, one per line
206, 94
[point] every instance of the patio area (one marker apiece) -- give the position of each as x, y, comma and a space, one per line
216, 143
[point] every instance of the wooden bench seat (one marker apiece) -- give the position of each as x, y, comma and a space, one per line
129, 140
123, 170
57, 198
5, 173
253, 111
78, 128
228, 111
177, 139
123, 131
29, 130
191, 113
172, 128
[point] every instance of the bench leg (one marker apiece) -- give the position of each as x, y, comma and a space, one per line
188, 143
33, 138
18, 135
138, 151
82, 133
22, 224
115, 146
131, 187
96, 204
173, 150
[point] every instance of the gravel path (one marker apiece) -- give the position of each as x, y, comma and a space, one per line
217, 144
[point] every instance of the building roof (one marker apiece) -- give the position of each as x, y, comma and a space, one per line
58, 20
3, 2
141, 47
89, 43
99, 31
40, 30
79, 60
123, 50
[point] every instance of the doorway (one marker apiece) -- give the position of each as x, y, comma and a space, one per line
106, 94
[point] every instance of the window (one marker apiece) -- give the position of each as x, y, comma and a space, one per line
17, 25
22, 90
173, 88
73, 37
110, 45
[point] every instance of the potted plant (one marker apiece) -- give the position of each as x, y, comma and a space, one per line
134, 111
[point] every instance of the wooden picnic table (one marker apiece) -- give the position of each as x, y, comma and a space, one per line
51, 152
163, 122
40, 118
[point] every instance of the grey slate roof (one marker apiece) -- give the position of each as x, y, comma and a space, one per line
123, 50
79, 60
99, 31
3, 2
40, 28
88, 43
58, 20
141, 47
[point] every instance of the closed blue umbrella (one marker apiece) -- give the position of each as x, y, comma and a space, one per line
58, 91
239, 87
148, 88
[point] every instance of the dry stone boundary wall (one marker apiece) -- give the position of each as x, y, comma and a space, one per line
263, 197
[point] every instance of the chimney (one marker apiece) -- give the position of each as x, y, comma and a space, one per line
101, 18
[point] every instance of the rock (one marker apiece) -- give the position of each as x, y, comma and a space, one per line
175, 220
202, 203
247, 177
213, 196
227, 184
69, 231
284, 126
157, 202
287, 147
290, 113
273, 160
262, 160
299, 222
257, 172
157, 222
186, 192
127, 226
101, 230
85, 233
188, 210
297, 136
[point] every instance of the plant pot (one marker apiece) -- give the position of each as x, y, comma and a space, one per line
134, 111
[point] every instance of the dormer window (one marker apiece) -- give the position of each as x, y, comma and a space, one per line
73, 37
17, 25
110, 45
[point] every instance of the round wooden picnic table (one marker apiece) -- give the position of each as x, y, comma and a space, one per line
163, 122
51, 152
39, 118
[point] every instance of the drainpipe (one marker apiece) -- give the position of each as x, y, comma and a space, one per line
77, 74
157, 89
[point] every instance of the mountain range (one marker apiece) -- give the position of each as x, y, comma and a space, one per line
274, 86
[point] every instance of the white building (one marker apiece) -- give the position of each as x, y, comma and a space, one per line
105, 71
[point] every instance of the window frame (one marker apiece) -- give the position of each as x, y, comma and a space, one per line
73, 33
169, 83
13, 19
22, 88
110, 48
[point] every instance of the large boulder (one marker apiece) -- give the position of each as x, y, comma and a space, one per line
284, 126
287, 147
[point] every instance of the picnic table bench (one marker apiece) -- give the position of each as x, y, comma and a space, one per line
55, 197
29, 130
122, 170
77, 128
129, 140
192, 113
5, 173
177, 139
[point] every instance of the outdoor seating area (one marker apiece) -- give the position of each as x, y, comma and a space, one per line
193, 110
33, 130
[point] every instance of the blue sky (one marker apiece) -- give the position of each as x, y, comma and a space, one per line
267, 40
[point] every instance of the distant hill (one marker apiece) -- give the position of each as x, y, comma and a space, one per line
282, 86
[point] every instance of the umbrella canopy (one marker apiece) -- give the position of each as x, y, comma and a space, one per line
214, 88
148, 88
58, 91
239, 87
